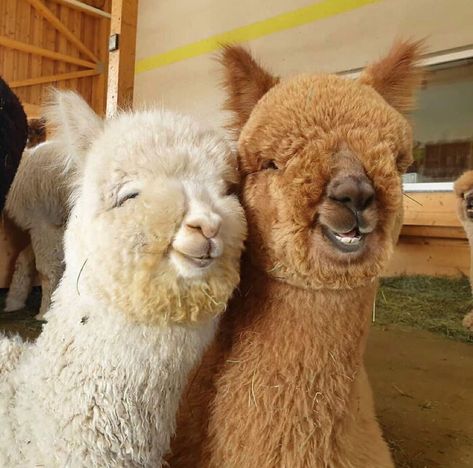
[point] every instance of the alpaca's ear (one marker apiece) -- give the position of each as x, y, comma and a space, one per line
74, 124
463, 184
245, 82
396, 76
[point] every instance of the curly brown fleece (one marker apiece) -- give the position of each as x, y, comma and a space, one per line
284, 384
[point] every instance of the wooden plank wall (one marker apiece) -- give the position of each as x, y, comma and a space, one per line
432, 239
20, 22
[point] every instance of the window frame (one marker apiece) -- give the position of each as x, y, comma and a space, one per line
450, 56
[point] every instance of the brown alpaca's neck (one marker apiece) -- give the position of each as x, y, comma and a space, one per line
280, 387
310, 343
335, 319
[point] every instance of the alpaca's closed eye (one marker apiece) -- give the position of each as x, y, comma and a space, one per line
125, 197
269, 164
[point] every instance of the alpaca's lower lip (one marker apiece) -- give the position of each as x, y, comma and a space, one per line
345, 243
199, 262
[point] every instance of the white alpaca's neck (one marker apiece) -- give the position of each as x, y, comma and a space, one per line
115, 385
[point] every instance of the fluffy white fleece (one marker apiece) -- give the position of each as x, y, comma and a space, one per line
95, 391
38, 203
152, 253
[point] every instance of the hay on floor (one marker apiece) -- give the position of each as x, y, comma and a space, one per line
425, 302
21, 322
430, 303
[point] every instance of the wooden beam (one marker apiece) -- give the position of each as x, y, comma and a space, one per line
53, 78
99, 83
430, 209
49, 16
430, 256
121, 69
84, 8
31, 49
439, 232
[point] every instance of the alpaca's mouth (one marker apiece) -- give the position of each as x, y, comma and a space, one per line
199, 262
469, 207
347, 242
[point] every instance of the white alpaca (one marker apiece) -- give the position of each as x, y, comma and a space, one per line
152, 251
38, 203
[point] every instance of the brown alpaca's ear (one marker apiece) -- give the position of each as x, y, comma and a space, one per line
245, 82
396, 76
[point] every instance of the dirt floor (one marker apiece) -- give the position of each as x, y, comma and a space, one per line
423, 386
422, 380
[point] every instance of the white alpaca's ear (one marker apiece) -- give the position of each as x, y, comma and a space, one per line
74, 123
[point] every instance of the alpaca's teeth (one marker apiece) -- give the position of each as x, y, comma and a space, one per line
348, 240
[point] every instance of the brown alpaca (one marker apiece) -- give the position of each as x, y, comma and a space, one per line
321, 158
464, 192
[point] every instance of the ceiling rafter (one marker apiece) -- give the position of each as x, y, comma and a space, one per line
29, 48
56, 23
53, 78
85, 8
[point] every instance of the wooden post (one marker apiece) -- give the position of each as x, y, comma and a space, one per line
121, 65
100, 82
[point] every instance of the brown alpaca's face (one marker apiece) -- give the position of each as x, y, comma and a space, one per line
467, 205
464, 193
321, 159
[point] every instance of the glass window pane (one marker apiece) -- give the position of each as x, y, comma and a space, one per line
443, 125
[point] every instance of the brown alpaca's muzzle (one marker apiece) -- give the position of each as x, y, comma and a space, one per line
349, 212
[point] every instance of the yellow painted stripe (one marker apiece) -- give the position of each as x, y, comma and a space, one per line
317, 11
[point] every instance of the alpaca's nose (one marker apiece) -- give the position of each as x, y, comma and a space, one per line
198, 235
354, 191
208, 224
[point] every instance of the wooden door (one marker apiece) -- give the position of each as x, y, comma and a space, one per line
55, 42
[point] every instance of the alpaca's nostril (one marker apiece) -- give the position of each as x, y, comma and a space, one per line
345, 200
369, 201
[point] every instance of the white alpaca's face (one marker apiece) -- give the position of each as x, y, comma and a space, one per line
155, 227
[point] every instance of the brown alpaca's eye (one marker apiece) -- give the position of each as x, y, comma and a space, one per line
269, 164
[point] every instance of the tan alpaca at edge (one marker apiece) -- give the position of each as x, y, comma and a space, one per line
38, 203
464, 192
321, 159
